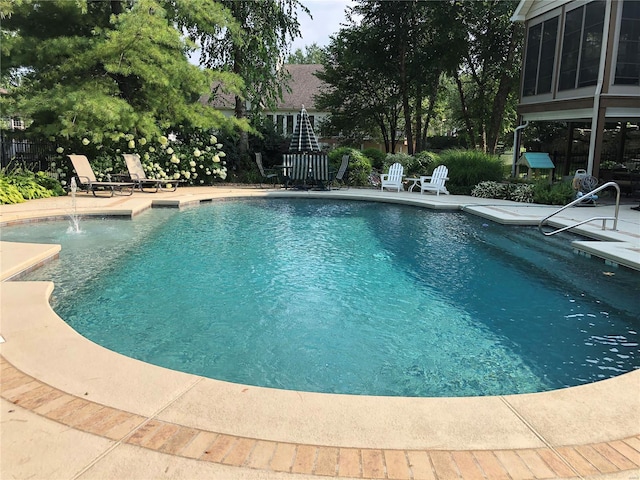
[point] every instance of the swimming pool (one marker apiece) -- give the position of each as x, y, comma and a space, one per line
345, 297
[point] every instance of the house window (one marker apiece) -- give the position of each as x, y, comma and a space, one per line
17, 124
280, 124
289, 124
538, 66
581, 46
628, 62
312, 121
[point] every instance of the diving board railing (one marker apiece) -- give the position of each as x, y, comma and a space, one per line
580, 200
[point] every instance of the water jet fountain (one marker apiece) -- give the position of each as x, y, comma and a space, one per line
74, 223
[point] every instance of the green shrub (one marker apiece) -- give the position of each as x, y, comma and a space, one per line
427, 160
403, 159
490, 189
414, 165
9, 193
50, 183
556, 194
376, 156
467, 168
20, 185
359, 165
27, 186
522, 192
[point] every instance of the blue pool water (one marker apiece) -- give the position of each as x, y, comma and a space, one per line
345, 297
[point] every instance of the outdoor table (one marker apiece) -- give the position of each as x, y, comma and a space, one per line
414, 184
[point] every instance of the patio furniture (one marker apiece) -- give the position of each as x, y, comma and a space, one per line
393, 179
139, 176
86, 178
435, 182
414, 182
270, 174
339, 175
296, 170
319, 170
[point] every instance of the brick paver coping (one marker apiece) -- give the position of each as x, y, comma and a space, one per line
124, 427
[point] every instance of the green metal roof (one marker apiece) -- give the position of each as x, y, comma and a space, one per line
536, 160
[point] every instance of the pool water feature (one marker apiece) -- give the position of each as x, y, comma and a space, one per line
345, 297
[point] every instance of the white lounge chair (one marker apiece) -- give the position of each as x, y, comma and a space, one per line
435, 182
86, 179
393, 179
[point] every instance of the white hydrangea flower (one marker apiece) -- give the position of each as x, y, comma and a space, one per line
170, 151
85, 141
216, 159
59, 149
197, 153
176, 175
213, 140
222, 154
192, 163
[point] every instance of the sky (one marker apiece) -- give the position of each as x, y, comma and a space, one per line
327, 17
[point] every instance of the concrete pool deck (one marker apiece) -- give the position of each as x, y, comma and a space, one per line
72, 409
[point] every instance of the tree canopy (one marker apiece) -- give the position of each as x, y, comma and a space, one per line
255, 53
94, 69
400, 53
312, 54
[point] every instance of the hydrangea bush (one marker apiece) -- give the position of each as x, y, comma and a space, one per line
194, 158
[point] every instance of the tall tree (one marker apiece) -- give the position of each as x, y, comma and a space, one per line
256, 54
93, 69
488, 75
312, 54
418, 40
359, 93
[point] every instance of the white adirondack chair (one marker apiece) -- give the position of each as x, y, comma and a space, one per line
435, 182
393, 179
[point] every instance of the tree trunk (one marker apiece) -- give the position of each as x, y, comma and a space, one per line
405, 102
240, 107
465, 111
432, 101
500, 100
418, 100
